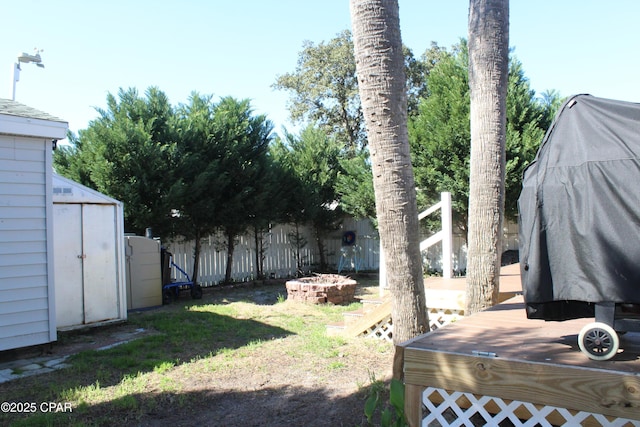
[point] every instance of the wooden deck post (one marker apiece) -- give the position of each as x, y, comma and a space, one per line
413, 404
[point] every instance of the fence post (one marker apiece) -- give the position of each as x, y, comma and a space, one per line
447, 235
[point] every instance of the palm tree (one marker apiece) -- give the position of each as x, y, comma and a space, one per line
381, 82
488, 73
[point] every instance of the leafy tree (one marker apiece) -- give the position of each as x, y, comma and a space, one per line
440, 133
312, 160
294, 199
268, 207
73, 160
382, 87
245, 138
126, 153
325, 91
354, 187
324, 88
439, 136
221, 156
417, 71
197, 159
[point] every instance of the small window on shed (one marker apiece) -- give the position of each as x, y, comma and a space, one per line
64, 191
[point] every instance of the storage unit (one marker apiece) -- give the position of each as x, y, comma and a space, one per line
27, 289
144, 272
89, 261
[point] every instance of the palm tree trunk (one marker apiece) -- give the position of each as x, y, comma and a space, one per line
488, 73
381, 82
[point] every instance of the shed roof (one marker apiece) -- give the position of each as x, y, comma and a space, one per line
22, 120
66, 190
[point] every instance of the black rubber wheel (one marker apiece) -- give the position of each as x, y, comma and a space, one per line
598, 341
196, 292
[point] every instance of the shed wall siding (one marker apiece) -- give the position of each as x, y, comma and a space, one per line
25, 278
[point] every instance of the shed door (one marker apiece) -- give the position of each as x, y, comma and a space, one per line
100, 284
85, 264
67, 249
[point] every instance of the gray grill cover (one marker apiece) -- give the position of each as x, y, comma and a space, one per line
579, 225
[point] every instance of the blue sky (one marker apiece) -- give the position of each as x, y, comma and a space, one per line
238, 48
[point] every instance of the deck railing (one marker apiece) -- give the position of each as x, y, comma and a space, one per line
445, 235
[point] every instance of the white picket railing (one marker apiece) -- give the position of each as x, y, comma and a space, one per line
445, 235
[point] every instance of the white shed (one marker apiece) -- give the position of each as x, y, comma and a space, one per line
88, 242
27, 289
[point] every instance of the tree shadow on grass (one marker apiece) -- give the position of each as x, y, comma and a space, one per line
267, 293
265, 407
179, 337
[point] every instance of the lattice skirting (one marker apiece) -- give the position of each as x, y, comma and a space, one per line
437, 319
453, 408
382, 330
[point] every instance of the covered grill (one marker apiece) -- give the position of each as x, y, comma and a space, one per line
579, 225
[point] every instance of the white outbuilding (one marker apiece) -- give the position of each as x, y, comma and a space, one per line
89, 256
27, 288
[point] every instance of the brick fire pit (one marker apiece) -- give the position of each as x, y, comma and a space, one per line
321, 289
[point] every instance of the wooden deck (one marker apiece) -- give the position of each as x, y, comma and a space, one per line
449, 293
500, 353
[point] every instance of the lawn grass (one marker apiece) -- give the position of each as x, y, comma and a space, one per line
189, 339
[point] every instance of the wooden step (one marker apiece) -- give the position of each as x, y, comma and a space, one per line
442, 296
376, 315
351, 317
358, 323
368, 305
335, 329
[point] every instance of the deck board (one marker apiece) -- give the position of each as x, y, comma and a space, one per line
531, 356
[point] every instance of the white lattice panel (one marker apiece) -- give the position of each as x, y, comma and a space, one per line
474, 412
437, 319
382, 330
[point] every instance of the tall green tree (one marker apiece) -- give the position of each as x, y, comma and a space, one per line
74, 160
439, 136
354, 187
198, 170
382, 87
313, 161
440, 133
221, 156
324, 88
488, 80
245, 138
126, 153
269, 207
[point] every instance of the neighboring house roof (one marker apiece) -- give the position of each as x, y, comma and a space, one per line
20, 119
